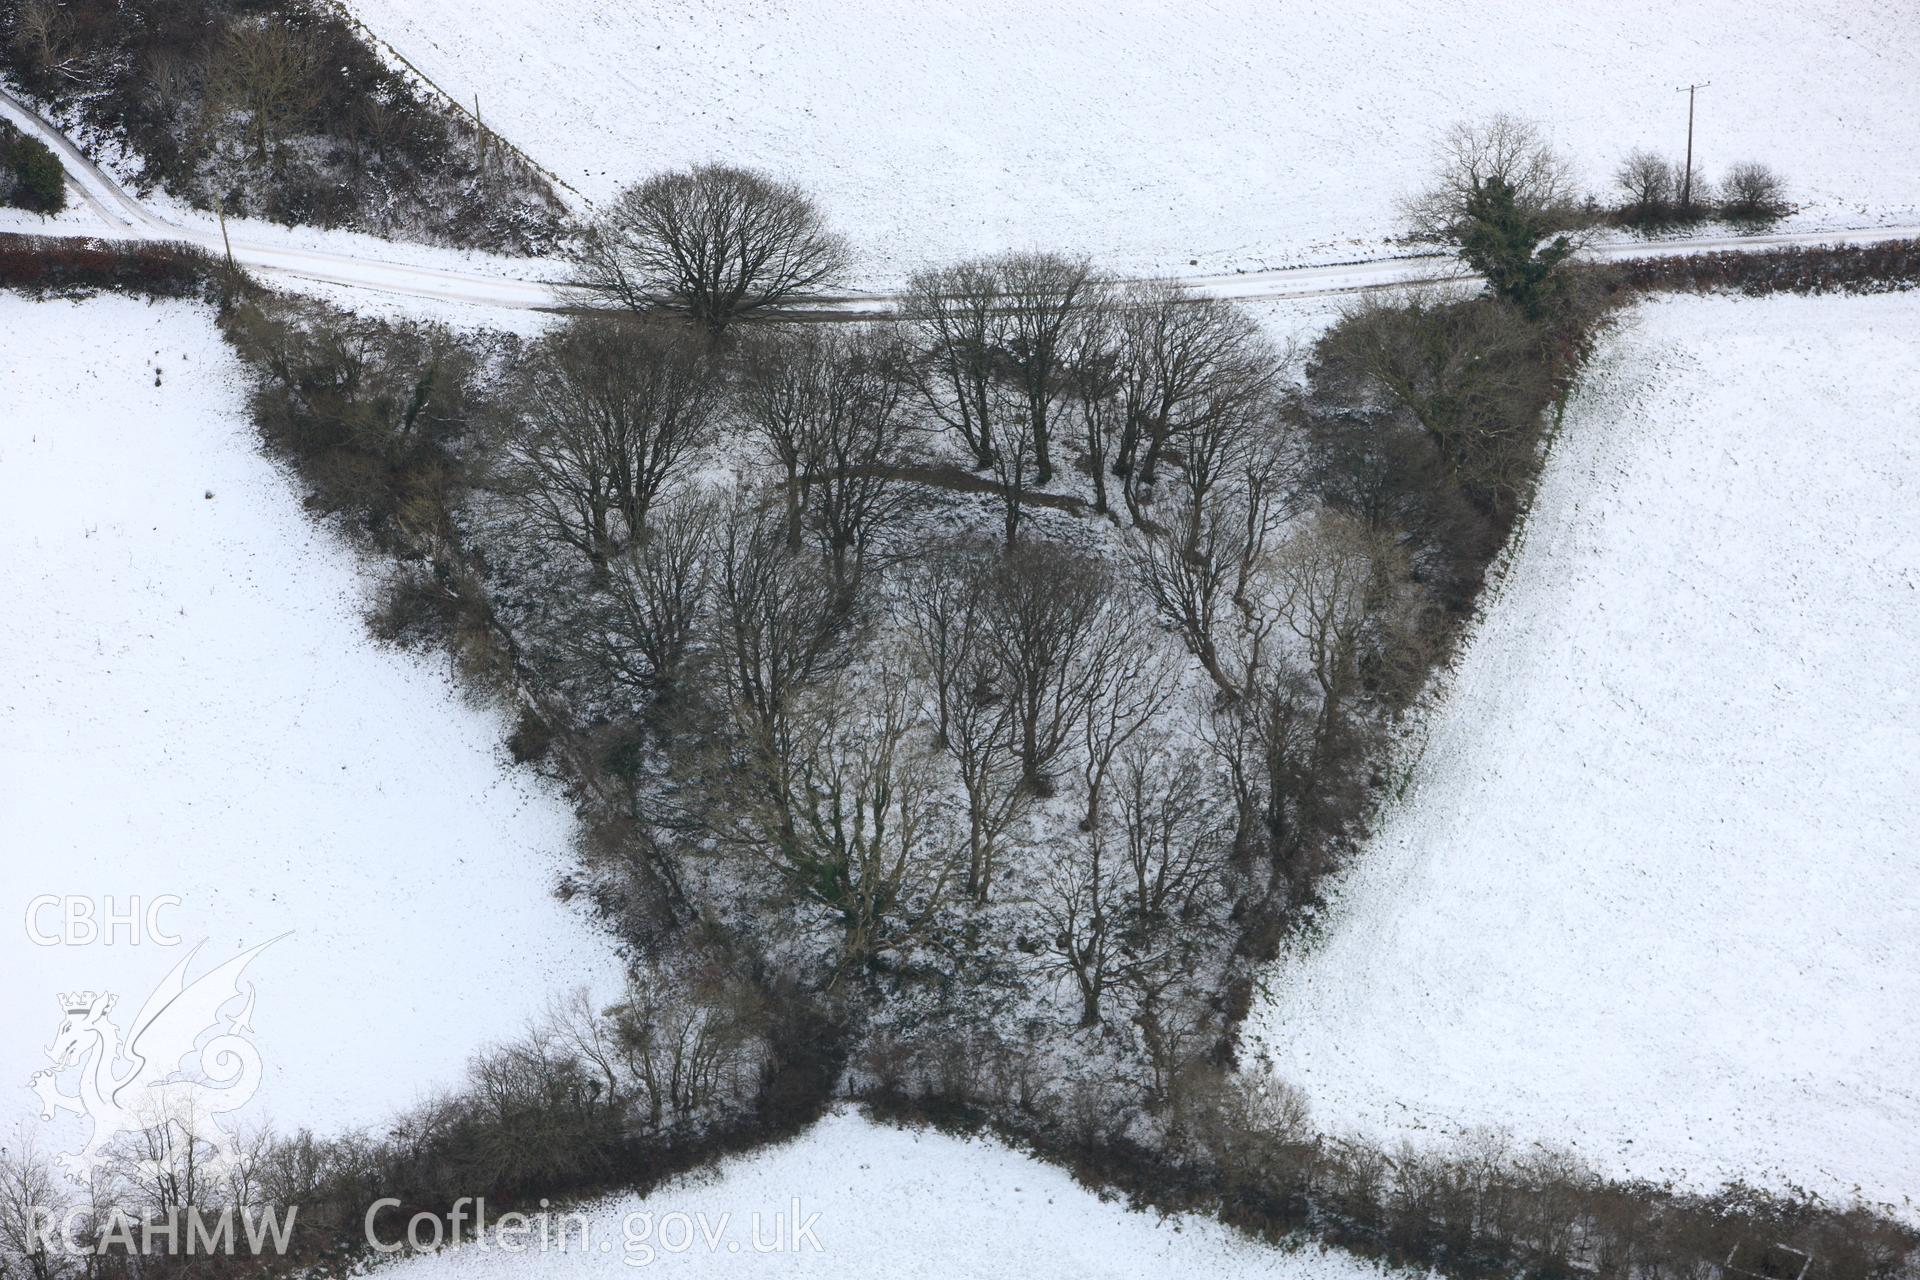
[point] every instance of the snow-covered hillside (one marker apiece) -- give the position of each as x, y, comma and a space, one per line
193, 707
1152, 135
1651, 891
883, 1201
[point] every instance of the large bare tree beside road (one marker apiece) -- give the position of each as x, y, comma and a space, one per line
713, 242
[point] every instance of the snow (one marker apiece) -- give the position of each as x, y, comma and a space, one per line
461, 287
193, 707
1651, 890
890, 1202
1222, 136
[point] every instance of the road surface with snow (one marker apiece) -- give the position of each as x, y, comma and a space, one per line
441, 276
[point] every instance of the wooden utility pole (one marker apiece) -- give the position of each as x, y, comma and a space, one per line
230, 277
1686, 183
220, 206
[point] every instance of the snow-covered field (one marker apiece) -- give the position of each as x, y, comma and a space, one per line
193, 708
1652, 890
882, 1201
1154, 136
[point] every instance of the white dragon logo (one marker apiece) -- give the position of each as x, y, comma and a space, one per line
145, 1081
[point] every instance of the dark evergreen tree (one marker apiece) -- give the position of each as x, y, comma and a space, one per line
35, 180
1502, 242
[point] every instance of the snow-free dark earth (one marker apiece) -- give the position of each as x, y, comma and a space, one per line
822, 637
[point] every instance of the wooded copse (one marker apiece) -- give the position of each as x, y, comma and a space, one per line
959, 707
1018, 666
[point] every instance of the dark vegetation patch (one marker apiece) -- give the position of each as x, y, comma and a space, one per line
30, 174
45, 266
278, 111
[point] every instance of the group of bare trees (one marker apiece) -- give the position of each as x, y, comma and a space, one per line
1658, 192
1041, 670
887, 746
1030, 777
828, 407
997, 338
1021, 351
1022, 358
880, 751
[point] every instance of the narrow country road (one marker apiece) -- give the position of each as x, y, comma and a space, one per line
519, 283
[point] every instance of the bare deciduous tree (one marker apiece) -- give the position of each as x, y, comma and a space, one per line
943, 612
1082, 910
780, 618
714, 242
1134, 916
269, 71
672, 1049
1503, 148
636, 629
1265, 743
785, 392
1207, 573
849, 823
613, 408
1096, 380
41, 31
1190, 362
1174, 841
1505, 199
954, 315
1014, 463
1130, 689
1055, 628
1753, 192
1043, 296
1328, 574
946, 616
33, 1203
826, 404
1648, 181
857, 450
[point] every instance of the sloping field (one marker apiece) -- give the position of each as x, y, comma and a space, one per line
1226, 135
193, 708
880, 1201
1652, 891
